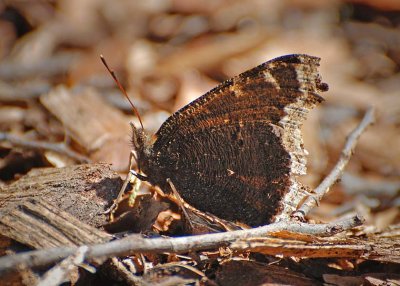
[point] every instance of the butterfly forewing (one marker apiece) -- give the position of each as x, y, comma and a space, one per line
235, 151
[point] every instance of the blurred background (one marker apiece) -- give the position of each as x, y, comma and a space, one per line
54, 88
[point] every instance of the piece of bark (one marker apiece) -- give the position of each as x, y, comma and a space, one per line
84, 191
38, 224
102, 130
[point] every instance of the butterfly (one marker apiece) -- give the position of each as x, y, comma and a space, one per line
236, 151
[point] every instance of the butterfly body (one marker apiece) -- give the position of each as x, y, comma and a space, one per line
236, 151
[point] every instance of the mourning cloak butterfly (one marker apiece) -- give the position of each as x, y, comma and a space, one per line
237, 150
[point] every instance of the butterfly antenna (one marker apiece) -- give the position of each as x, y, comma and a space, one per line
122, 89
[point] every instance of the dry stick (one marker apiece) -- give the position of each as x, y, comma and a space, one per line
24, 91
57, 64
58, 274
137, 244
33, 144
129, 277
338, 170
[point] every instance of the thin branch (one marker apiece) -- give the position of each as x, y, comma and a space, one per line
33, 144
46, 67
58, 274
338, 170
137, 244
125, 274
23, 91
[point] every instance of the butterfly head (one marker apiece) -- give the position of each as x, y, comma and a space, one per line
142, 146
140, 140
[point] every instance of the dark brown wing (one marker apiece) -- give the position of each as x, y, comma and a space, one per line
235, 151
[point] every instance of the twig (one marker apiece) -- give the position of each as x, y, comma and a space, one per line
58, 274
57, 64
23, 91
125, 274
338, 170
137, 244
33, 144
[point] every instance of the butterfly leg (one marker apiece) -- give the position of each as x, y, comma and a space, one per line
111, 210
181, 202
